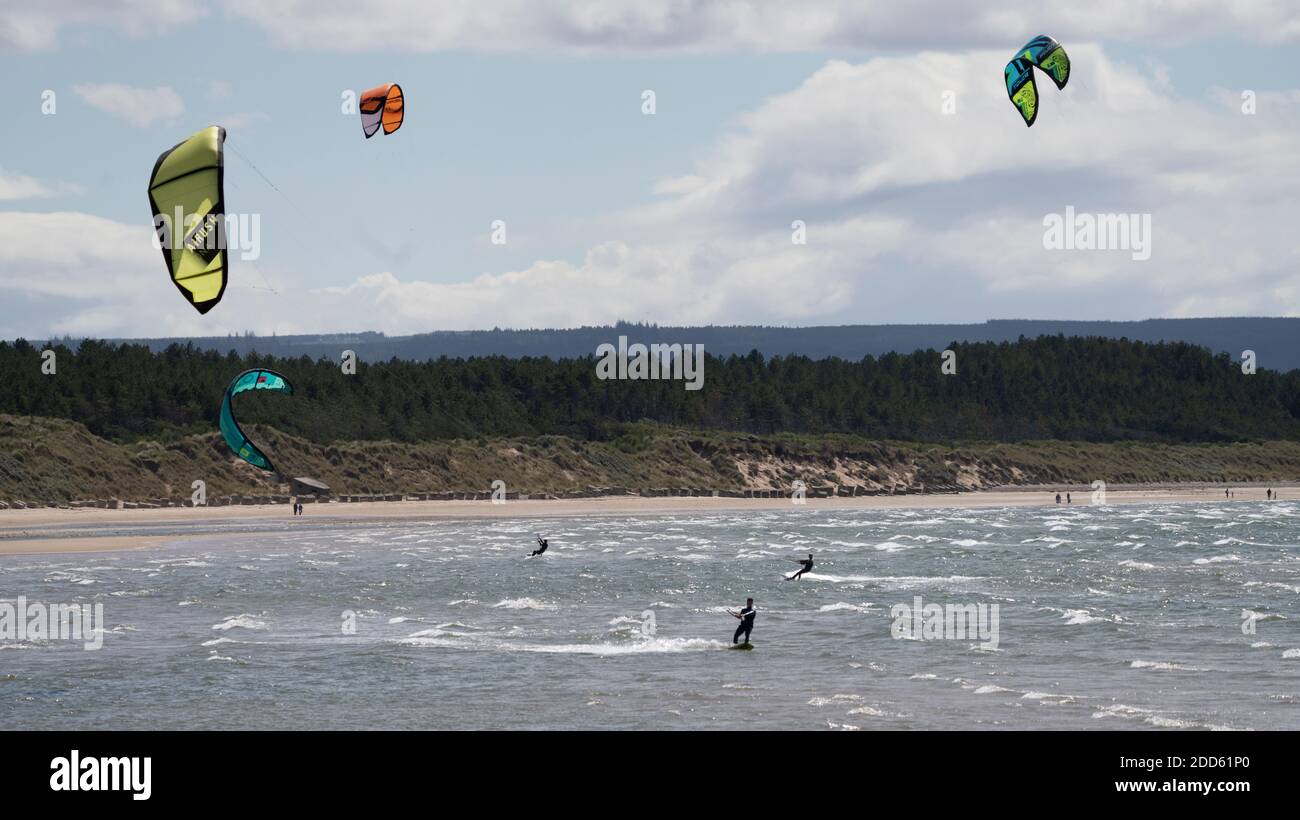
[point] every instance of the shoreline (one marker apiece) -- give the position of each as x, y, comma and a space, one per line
58, 530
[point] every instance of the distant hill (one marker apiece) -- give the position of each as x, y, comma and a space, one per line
1276, 341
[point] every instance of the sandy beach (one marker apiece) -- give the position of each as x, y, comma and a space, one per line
49, 530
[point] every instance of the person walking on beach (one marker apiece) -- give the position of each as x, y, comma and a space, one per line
746, 618
1067, 499
806, 566
1058, 498
541, 547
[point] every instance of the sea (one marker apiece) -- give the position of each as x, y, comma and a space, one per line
1172, 616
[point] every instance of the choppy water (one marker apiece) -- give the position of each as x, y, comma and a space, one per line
1126, 617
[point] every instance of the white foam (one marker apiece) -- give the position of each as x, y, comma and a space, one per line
1153, 718
841, 606
834, 699
240, 622
900, 580
524, 603
1218, 559
1079, 617
1164, 666
1295, 588
1131, 564
870, 711
894, 546
456, 625
427, 638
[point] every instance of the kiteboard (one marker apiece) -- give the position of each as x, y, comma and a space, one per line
742, 646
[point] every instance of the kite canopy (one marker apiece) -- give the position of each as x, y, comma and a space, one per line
1049, 57
189, 211
239, 443
382, 105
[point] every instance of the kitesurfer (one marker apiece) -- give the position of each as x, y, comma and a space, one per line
541, 547
807, 566
746, 618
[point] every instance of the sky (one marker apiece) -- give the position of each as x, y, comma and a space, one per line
882, 128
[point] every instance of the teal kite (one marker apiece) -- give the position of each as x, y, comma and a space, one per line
236, 440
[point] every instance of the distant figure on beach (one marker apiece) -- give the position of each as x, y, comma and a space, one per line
1067, 499
746, 618
806, 566
1058, 498
541, 547
1225, 493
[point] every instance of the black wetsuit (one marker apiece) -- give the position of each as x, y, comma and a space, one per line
807, 567
746, 624
541, 549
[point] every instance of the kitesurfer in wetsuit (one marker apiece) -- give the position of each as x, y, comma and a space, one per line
541, 547
807, 566
746, 618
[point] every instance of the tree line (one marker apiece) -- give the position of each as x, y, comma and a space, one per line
1050, 387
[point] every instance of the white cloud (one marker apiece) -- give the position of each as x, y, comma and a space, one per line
912, 215
35, 26
594, 26
74, 255
242, 120
140, 107
19, 186
683, 25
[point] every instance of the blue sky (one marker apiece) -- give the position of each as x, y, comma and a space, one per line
533, 117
